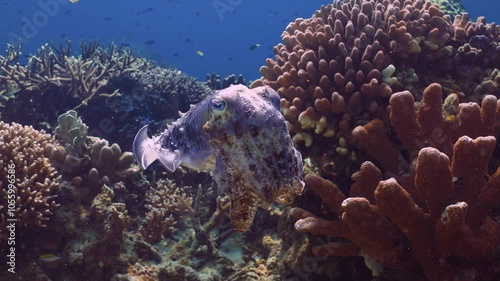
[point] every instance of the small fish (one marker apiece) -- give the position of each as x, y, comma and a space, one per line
50, 261
109, 18
74, 1
149, 9
254, 47
150, 42
200, 53
240, 135
49, 257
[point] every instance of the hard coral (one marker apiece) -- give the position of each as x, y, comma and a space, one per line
101, 163
450, 7
36, 179
435, 124
167, 202
446, 220
439, 195
110, 87
336, 68
53, 69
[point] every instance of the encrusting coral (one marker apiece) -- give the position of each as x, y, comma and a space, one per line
36, 179
434, 208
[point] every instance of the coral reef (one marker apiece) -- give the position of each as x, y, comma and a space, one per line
109, 87
395, 103
27, 177
436, 123
83, 78
385, 221
337, 70
432, 209
112, 219
72, 132
166, 203
101, 163
215, 83
450, 7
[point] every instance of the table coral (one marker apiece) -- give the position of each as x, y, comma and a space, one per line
36, 178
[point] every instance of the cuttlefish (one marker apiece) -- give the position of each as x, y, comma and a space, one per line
240, 136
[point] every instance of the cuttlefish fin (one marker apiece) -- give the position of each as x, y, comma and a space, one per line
243, 209
142, 148
170, 160
146, 152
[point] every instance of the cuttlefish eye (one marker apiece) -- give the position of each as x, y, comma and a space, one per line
218, 106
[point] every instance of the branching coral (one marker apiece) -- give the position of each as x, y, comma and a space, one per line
447, 219
36, 179
176, 89
437, 124
166, 203
84, 77
111, 81
439, 196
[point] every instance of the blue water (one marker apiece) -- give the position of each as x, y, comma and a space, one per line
488, 8
173, 31
223, 30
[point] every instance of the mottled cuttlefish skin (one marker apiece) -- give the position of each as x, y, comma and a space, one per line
184, 142
240, 136
256, 162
